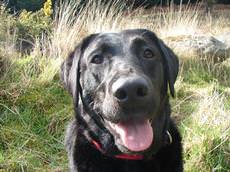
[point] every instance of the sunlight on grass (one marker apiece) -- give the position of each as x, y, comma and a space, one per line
177, 21
206, 134
34, 108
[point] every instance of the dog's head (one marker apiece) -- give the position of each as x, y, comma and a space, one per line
124, 78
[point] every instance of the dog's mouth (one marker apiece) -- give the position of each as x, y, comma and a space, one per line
134, 135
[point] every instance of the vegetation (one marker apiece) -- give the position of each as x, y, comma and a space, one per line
35, 109
31, 5
34, 5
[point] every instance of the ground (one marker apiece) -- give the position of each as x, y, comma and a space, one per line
35, 109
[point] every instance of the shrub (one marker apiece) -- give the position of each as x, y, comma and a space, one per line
8, 34
47, 8
30, 5
32, 25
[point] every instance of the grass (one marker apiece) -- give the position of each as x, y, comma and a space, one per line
34, 107
203, 115
32, 126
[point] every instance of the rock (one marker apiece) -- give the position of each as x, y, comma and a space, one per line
211, 47
225, 38
199, 45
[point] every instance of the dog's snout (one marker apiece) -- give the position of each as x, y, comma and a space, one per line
130, 90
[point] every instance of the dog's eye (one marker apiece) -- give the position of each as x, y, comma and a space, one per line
97, 59
148, 54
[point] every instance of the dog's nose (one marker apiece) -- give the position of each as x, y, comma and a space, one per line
130, 89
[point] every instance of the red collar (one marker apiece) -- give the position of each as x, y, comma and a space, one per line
119, 156
127, 156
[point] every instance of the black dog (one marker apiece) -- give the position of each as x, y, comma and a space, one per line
119, 83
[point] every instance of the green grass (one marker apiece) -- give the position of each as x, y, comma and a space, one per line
34, 115
33, 119
32, 124
35, 109
204, 93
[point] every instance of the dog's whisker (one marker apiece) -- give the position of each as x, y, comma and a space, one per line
100, 85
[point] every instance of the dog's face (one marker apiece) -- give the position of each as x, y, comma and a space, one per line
124, 78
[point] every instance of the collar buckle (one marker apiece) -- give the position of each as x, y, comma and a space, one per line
169, 136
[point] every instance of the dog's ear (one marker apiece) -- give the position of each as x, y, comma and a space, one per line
65, 70
69, 67
171, 63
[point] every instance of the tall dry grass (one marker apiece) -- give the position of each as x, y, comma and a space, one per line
180, 20
8, 34
201, 109
206, 133
72, 22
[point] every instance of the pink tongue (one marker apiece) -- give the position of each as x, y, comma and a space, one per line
135, 135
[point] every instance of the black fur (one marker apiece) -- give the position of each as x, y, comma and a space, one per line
90, 85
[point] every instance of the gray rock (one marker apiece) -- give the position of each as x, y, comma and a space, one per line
225, 38
203, 46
